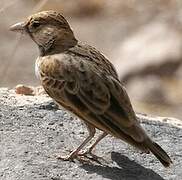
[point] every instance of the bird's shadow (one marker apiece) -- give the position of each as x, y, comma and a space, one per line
126, 170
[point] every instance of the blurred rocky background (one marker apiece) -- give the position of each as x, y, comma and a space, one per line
142, 38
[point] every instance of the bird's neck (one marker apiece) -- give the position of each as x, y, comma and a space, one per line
56, 47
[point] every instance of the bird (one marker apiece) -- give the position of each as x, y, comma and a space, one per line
83, 81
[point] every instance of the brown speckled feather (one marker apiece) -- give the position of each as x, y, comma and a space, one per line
85, 75
82, 80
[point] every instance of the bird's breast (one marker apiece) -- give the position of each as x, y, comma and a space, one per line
37, 70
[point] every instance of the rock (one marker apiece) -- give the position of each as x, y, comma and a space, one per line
29, 90
152, 94
31, 135
24, 90
179, 73
154, 49
148, 89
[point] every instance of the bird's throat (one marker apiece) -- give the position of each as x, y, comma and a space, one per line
54, 47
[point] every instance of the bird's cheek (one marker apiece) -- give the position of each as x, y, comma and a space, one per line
38, 38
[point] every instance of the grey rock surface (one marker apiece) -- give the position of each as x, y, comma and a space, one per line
33, 131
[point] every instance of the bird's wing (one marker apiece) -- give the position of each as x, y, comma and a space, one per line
107, 104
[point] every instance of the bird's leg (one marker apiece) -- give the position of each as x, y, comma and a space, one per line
75, 153
91, 147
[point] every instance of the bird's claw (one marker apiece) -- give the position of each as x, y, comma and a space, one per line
88, 154
83, 156
70, 157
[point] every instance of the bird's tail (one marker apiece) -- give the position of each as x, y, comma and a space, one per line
160, 154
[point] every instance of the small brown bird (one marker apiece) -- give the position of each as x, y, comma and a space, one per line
83, 81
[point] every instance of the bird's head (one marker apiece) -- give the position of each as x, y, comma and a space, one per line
49, 30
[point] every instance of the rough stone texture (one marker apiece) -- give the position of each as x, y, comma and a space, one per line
33, 130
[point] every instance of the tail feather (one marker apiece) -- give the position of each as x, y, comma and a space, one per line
160, 154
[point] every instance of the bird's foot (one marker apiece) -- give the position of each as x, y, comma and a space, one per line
89, 155
70, 157
74, 155
85, 156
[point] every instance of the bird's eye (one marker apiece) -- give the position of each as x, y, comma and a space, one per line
35, 24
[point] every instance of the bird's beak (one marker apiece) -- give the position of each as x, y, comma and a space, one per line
18, 27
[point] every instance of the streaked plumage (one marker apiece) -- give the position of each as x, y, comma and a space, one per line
83, 81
